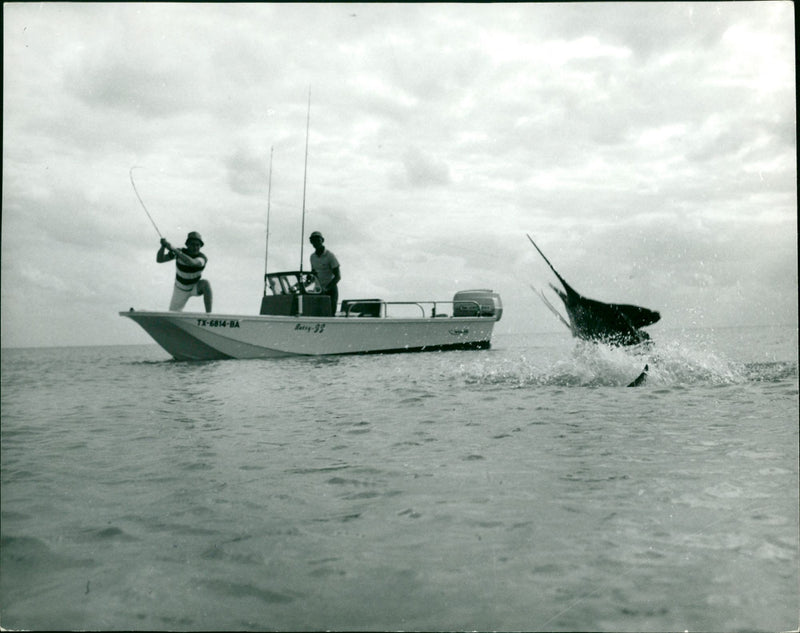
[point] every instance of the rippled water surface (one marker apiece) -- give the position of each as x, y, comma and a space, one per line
518, 488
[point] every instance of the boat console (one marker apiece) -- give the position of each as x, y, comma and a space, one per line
295, 293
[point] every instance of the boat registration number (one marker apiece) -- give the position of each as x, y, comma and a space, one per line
218, 322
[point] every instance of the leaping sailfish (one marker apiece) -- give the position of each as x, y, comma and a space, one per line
590, 320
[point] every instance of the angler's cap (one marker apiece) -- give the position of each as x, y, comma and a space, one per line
316, 234
194, 235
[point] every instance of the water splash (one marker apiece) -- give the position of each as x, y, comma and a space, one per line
670, 364
584, 367
675, 363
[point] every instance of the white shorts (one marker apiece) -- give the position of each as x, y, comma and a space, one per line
180, 297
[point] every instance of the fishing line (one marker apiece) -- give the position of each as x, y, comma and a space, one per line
130, 173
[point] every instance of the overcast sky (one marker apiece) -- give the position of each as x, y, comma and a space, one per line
650, 149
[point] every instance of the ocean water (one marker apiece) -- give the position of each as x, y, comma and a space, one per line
518, 488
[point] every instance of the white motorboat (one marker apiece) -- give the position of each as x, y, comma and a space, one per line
296, 319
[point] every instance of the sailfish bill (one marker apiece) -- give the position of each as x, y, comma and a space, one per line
591, 320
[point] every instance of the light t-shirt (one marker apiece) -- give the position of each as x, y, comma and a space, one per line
323, 265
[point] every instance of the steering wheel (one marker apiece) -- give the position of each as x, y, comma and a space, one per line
308, 285
312, 286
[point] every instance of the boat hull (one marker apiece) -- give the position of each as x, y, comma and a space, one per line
199, 336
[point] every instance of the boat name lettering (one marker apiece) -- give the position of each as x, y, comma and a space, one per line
459, 332
315, 328
218, 322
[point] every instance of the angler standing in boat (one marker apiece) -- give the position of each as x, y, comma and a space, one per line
325, 265
189, 263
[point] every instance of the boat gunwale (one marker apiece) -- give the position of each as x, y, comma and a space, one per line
280, 317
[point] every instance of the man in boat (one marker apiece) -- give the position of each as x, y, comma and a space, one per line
189, 263
325, 265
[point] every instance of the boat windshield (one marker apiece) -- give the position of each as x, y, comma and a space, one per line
294, 282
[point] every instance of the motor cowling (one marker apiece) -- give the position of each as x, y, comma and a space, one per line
481, 302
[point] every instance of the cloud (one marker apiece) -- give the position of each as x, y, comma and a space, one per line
247, 173
422, 170
125, 84
650, 148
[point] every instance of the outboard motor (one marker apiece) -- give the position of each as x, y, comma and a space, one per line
477, 303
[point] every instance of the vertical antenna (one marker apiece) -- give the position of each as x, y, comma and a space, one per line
269, 198
305, 172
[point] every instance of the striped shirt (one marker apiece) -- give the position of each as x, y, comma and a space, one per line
187, 276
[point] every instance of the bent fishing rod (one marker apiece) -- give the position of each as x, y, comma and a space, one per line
130, 173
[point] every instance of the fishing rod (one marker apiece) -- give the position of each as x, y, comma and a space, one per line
269, 197
130, 173
305, 173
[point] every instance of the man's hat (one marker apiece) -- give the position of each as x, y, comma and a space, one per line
316, 234
194, 235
